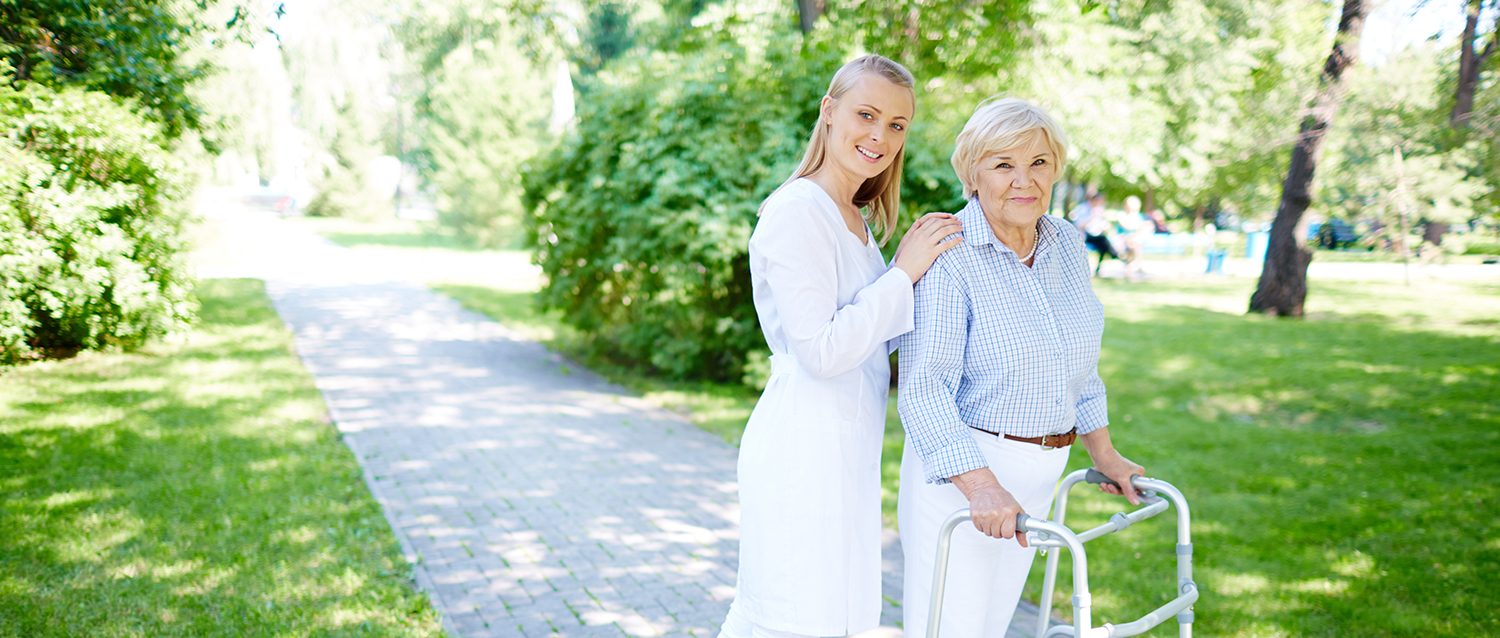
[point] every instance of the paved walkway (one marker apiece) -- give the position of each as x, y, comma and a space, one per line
533, 498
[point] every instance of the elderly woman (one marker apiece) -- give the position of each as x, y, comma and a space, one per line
1000, 375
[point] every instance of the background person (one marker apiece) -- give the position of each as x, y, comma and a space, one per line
830, 308
1096, 225
1000, 375
1131, 227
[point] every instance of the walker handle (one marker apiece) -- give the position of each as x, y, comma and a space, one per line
1021, 520
1096, 477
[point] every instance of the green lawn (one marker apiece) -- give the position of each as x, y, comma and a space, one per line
1343, 470
193, 489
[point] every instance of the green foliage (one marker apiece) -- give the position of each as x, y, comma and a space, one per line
135, 49
482, 82
91, 227
485, 114
642, 215
341, 65
1482, 248
1398, 105
952, 40
344, 187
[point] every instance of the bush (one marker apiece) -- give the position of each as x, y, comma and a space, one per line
91, 233
642, 215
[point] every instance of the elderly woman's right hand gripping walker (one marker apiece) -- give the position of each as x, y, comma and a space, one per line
1054, 534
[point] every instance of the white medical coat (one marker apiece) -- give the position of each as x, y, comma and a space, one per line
809, 466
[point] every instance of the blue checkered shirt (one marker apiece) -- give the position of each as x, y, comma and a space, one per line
1001, 347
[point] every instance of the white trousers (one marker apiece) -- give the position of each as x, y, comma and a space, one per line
985, 575
737, 625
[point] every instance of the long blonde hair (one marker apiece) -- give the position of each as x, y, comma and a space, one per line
880, 195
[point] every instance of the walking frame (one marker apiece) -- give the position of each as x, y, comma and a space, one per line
1054, 534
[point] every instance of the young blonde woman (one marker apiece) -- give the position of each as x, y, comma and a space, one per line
831, 310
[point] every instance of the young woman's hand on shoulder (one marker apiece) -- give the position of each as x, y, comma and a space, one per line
928, 237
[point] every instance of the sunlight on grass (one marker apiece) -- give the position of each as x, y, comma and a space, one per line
181, 491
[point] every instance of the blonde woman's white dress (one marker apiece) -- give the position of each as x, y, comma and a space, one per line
809, 468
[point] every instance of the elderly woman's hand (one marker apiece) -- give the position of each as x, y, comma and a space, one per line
992, 508
1110, 463
928, 237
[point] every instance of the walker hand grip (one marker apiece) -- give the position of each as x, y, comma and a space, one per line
1021, 520
1095, 477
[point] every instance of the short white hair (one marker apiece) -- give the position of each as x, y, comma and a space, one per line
1001, 123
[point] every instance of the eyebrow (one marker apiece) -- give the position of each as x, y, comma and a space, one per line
1006, 157
872, 107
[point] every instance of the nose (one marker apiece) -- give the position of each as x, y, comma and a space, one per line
1022, 178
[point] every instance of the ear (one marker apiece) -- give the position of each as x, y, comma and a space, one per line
825, 110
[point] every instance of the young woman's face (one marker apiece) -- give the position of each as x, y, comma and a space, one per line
867, 126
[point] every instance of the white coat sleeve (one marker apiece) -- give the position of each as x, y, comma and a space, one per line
796, 252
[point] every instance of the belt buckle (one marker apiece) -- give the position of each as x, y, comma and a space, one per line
1044, 441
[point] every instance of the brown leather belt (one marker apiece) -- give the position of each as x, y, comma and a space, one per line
1048, 442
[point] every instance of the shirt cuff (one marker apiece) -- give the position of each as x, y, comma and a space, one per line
959, 456
1093, 413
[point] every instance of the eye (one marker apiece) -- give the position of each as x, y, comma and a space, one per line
866, 115
1003, 165
1039, 162
898, 127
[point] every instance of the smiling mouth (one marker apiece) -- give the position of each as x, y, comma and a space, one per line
865, 152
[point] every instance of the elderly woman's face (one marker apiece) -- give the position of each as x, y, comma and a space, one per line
867, 126
1015, 184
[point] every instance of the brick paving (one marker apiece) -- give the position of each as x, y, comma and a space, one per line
533, 498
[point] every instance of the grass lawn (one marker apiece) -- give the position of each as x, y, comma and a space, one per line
193, 489
1344, 470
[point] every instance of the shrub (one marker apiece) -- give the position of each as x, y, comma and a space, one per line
642, 215
91, 231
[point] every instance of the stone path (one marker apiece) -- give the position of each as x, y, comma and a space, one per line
533, 498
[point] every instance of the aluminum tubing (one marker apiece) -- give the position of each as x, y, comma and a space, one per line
1157, 617
940, 570
1184, 531
1049, 576
1152, 509
1082, 602
1049, 582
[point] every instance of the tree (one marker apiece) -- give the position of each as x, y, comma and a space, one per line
137, 49
807, 14
1282, 289
341, 65
484, 114
1471, 62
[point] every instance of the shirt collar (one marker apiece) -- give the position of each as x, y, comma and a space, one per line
977, 230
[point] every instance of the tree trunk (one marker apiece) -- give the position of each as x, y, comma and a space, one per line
1283, 280
1469, 64
807, 14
